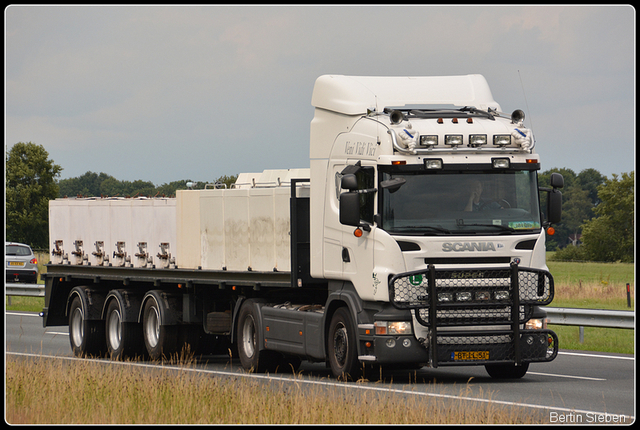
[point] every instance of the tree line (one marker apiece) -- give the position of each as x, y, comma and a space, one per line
597, 212
597, 216
93, 184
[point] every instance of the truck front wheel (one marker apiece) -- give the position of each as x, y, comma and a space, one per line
85, 336
160, 339
342, 348
507, 371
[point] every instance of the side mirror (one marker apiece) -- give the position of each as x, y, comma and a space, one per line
554, 206
350, 208
349, 182
557, 181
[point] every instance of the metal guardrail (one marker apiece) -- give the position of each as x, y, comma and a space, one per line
29, 290
558, 316
591, 317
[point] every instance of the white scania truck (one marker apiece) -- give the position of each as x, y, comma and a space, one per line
415, 238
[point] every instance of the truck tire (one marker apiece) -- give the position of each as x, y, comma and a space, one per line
85, 336
506, 371
159, 339
251, 357
342, 349
124, 339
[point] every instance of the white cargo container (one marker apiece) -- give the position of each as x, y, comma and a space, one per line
111, 231
243, 228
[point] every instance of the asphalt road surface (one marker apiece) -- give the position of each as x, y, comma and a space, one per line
577, 387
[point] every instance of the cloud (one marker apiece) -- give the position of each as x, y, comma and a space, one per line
225, 89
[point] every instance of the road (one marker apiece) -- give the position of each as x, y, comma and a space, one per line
576, 387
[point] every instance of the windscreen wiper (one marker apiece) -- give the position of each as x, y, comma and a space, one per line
461, 223
424, 227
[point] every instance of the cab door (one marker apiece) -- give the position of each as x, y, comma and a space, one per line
356, 217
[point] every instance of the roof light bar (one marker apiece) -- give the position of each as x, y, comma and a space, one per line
476, 140
428, 140
453, 139
501, 139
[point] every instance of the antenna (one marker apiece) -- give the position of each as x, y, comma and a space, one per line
525, 100
527, 105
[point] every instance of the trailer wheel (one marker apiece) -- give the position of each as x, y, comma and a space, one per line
506, 371
342, 349
160, 340
85, 336
248, 337
123, 339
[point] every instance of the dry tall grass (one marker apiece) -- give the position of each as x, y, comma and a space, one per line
42, 391
593, 294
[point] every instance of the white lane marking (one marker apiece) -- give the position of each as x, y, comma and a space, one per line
566, 376
327, 384
581, 354
56, 333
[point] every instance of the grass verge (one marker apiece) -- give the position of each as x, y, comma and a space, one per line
44, 391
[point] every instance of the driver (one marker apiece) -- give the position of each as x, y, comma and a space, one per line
475, 202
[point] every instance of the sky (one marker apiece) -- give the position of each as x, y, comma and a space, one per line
166, 93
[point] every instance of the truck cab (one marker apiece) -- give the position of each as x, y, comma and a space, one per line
431, 203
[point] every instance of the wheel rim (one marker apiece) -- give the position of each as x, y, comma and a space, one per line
77, 327
340, 345
248, 337
152, 327
114, 329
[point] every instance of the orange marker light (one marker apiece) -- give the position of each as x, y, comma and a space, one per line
551, 231
358, 232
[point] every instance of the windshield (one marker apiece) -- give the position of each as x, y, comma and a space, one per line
460, 203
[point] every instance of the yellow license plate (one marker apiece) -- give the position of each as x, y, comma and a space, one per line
16, 263
470, 355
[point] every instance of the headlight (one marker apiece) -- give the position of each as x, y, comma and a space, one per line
445, 297
455, 139
535, 324
463, 297
393, 327
476, 140
502, 139
501, 295
433, 163
483, 295
429, 140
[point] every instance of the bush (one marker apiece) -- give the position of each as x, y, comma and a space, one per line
570, 253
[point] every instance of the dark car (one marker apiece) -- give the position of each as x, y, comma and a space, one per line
21, 264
